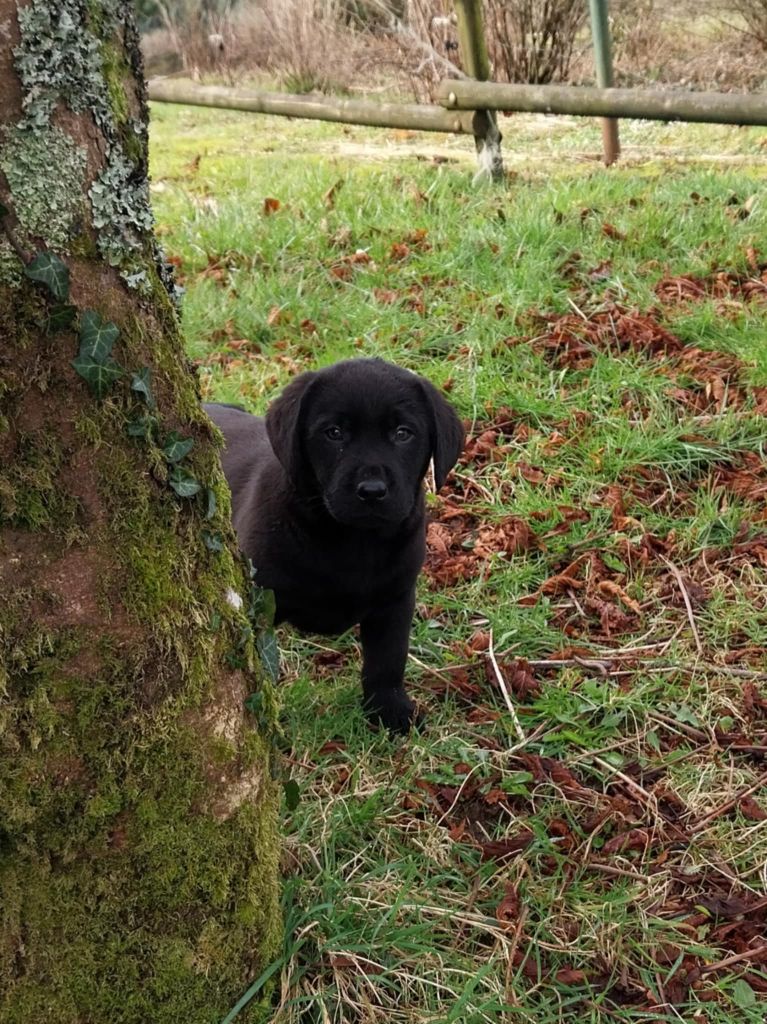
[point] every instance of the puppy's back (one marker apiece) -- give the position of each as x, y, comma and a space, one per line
253, 473
246, 444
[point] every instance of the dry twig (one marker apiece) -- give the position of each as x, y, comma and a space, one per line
504, 690
729, 804
687, 602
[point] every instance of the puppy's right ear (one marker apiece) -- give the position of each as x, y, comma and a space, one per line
447, 433
284, 424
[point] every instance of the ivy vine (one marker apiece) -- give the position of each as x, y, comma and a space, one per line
101, 371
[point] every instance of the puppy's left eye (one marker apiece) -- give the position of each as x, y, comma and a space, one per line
402, 434
334, 433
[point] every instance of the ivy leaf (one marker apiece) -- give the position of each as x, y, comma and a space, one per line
143, 427
49, 270
210, 498
183, 483
96, 336
269, 606
141, 382
266, 645
253, 703
292, 794
100, 376
176, 447
60, 318
212, 541
262, 605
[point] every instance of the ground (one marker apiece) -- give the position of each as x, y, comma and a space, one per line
580, 832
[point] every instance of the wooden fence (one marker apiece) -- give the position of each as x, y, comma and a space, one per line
468, 105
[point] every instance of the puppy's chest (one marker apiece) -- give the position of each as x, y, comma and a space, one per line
354, 569
328, 589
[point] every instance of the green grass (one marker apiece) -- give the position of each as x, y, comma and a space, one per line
397, 910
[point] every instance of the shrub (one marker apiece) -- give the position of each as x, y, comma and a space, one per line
533, 40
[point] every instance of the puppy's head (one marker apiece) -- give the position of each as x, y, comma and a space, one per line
360, 434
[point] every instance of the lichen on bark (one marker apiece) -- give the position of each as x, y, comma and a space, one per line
138, 801
72, 53
27, 157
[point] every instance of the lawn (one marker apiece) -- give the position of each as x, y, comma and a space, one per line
580, 832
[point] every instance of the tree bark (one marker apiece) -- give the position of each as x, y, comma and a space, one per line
138, 801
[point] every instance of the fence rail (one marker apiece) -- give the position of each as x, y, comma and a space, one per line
420, 117
644, 104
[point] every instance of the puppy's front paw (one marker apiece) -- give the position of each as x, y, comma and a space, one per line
393, 709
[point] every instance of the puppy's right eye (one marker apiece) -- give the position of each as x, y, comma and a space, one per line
334, 433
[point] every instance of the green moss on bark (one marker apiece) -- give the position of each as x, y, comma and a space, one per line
30, 493
120, 906
138, 875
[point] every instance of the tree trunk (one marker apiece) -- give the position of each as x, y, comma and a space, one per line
138, 840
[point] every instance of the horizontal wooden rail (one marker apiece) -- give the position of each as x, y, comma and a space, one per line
645, 104
413, 116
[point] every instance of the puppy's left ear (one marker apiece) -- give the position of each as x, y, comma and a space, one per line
447, 433
284, 424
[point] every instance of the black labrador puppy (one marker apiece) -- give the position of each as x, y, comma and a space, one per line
328, 504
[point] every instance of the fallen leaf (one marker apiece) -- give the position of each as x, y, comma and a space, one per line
610, 231
612, 589
329, 198
502, 849
570, 976
507, 911
750, 809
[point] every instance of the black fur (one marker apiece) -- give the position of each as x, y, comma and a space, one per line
328, 504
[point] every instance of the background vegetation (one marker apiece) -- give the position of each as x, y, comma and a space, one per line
405, 46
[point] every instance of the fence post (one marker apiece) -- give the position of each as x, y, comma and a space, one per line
600, 33
476, 63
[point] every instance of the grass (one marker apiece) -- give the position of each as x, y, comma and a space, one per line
594, 870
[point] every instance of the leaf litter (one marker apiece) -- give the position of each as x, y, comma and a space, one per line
633, 823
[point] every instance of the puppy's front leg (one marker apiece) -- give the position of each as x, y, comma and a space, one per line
385, 637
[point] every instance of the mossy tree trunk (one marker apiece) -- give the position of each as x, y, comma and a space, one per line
138, 843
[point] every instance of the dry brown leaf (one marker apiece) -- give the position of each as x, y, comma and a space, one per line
507, 911
612, 589
504, 848
752, 810
329, 198
610, 231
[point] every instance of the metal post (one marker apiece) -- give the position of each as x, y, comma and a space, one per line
476, 63
600, 32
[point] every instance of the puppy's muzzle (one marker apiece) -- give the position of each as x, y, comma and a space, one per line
371, 491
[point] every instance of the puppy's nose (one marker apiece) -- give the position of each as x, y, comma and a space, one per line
371, 490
